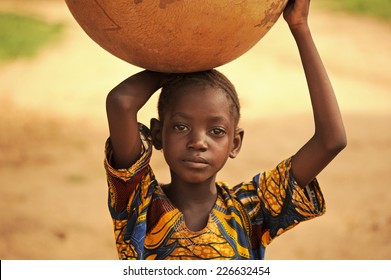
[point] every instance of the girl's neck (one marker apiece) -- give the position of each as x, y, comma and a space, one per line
187, 196
194, 201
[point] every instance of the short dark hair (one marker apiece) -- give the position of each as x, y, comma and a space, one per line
211, 78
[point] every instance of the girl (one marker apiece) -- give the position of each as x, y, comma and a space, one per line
193, 216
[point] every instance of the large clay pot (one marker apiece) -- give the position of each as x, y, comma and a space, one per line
176, 35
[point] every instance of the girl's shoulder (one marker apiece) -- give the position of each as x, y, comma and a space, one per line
244, 193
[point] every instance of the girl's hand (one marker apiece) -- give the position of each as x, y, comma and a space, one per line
296, 13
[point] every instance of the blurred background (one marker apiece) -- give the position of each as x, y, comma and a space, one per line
53, 83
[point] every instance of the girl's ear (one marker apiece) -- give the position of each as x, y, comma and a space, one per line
156, 132
237, 142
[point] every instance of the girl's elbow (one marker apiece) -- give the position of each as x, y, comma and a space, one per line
113, 98
117, 100
341, 140
337, 144
341, 145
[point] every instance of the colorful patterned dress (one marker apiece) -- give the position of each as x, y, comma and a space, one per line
243, 221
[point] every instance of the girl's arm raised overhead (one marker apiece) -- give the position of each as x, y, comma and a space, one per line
122, 104
329, 137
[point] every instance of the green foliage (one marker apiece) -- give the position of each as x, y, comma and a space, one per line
376, 8
23, 36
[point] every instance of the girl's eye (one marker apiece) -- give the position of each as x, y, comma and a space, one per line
180, 127
218, 131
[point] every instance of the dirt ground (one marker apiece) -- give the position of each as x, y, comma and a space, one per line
53, 196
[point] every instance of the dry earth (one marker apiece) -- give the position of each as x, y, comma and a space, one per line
53, 127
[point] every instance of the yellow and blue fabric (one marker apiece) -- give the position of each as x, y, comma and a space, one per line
243, 221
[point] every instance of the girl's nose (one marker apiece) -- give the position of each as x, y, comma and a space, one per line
197, 141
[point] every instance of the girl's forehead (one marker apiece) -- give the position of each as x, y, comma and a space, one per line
204, 97
200, 100
201, 92
203, 108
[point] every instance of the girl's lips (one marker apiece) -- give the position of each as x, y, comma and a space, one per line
195, 162
196, 159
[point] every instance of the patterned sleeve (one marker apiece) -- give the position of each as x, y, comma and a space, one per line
284, 204
124, 194
275, 203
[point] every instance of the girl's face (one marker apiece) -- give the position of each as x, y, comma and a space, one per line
199, 133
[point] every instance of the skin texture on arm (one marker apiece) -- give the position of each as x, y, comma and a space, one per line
122, 104
329, 137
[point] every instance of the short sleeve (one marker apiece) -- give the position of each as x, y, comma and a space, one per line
123, 183
284, 204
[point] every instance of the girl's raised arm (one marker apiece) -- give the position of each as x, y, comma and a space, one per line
329, 137
122, 104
